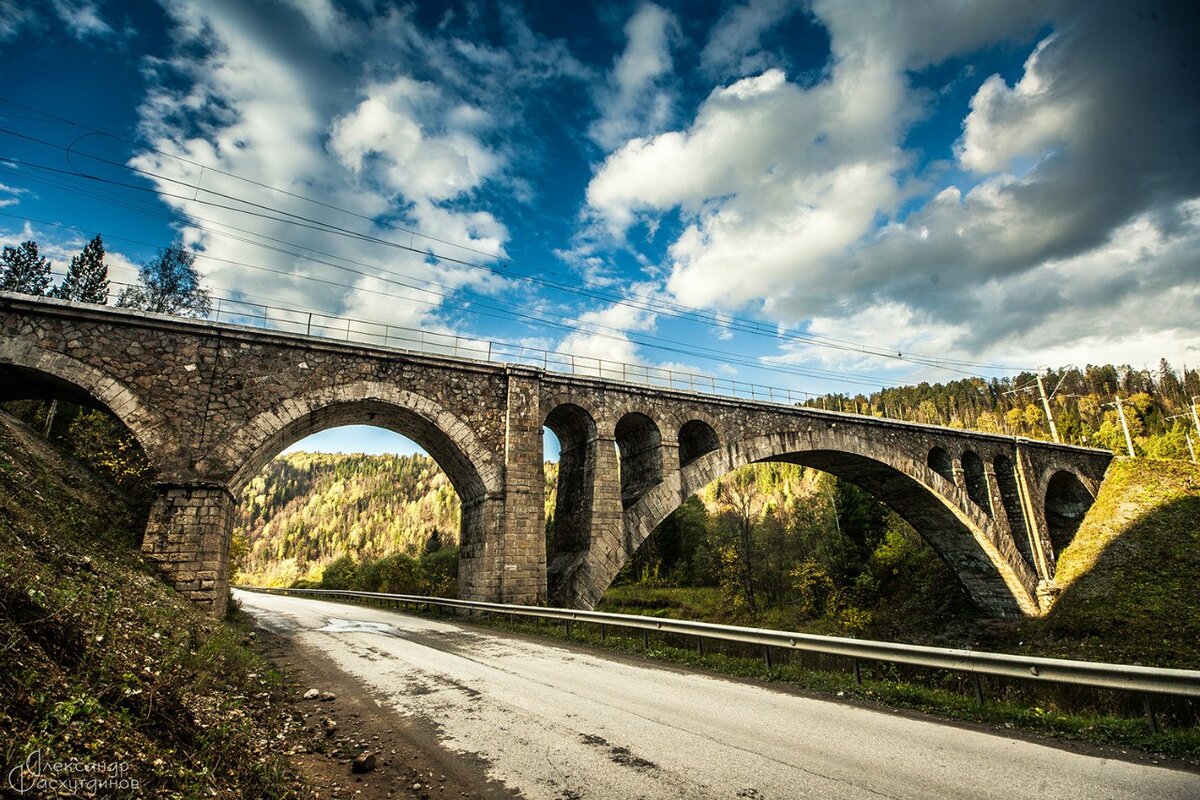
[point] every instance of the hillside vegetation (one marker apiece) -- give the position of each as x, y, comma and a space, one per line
1156, 406
102, 663
304, 510
1131, 577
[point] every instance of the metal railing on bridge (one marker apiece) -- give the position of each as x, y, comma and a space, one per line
282, 319
1145, 681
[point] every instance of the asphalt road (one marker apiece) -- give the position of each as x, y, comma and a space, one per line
555, 722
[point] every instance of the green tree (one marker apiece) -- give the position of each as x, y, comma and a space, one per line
87, 277
23, 270
434, 542
169, 285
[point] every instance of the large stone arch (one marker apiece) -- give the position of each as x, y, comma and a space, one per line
22, 361
979, 552
449, 439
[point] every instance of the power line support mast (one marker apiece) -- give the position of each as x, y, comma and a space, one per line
1124, 425
1050, 416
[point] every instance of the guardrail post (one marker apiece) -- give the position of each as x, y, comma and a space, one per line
700, 646
645, 639
857, 672
603, 632
308, 327
1148, 706
978, 684
568, 629
767, 655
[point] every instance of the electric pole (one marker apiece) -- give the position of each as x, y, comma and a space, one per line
1050, 416
1124, 425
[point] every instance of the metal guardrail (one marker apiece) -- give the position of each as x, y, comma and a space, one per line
1122, 677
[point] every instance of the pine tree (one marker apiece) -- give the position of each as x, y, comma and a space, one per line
23, 270
169, 285
87, 277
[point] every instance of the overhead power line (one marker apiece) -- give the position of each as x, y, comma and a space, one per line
606, 332
641, 302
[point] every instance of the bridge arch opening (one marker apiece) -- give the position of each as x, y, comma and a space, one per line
349, 507
940, 462
1067, 502
639, 443
448, 443
1010, 501
696, 438
976, 481
569, 529
79, 411
994, 585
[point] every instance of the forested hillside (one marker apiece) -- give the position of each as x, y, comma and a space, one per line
306, 509
1083, 402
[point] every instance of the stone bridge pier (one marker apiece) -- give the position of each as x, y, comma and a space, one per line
212, 404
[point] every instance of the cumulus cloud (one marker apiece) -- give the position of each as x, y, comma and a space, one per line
414, 161
800, 201
637, 99
394, 137
771, 176
734, 44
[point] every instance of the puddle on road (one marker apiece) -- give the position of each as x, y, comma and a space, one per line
358, 626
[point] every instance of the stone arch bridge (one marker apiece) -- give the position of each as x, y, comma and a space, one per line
212, 404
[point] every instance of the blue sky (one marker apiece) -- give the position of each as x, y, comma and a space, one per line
785, 193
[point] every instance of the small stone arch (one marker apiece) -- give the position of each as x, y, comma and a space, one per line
696, 438
639, 442
21, 360
975, 480
1067, 502
1010, 500
575, 428
940, 462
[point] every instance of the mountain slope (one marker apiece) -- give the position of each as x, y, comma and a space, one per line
102, 663
1131, 576
306, 509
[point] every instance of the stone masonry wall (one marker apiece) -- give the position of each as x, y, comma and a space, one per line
187, 539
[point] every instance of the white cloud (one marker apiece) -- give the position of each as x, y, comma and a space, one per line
325, 19
733, 44
389, 147
636, 100
790, 196
603, 335
81, 17
773, 179
413, 161
13, 195
1006, 124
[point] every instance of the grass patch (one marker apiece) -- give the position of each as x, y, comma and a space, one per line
105, 664
1129, 577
